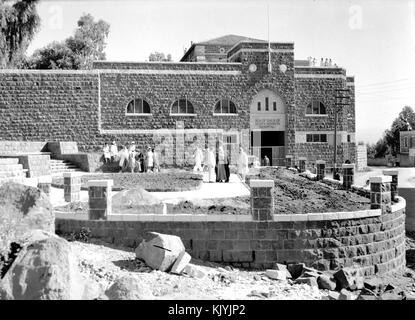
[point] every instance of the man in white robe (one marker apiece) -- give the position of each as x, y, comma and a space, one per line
243, 163
113, 151
198, 156
211, 165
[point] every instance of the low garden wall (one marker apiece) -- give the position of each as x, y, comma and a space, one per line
370, 241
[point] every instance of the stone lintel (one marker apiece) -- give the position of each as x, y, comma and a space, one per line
101, 183
302, 158
320, 162
390, 172
288, 156
261, 183
348, 165
380, 179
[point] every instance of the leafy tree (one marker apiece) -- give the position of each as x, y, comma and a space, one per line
76, 52
159, 56
404, 122
19, 23
89, 41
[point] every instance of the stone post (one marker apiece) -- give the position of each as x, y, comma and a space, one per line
394, 184
288, 161
321, 169
380, 195
302, 161
100, 203
262, 200
44, 183
348, 175
71, 186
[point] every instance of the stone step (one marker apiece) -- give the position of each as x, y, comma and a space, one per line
5, 174
10, 167
7, 161
13, 179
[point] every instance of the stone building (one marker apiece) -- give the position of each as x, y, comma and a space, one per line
406, 156
234, 90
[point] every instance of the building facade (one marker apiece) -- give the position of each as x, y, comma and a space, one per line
260, 98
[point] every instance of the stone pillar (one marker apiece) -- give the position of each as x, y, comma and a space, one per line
288, 161
100, 203
394, 184
44, 183
71, 186
348, 175
380, 195
321, 169
262, 200
302, 161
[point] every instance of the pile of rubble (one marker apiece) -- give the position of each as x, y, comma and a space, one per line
344, 284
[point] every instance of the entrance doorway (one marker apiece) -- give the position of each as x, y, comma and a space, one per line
267, 125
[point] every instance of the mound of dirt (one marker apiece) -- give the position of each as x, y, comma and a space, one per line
294, 194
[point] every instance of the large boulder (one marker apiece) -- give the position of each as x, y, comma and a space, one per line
160, 251
129, 288
22, 209
45, 269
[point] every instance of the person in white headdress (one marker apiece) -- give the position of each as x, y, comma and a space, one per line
113, 151
106, 151
150, 159
211, 163
242, 163
123, 158
198, 156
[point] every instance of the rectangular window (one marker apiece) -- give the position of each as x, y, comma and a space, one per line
316, 137
266, 104
274, 104
182, 106
259, 106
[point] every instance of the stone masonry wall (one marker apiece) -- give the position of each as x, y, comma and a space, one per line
371, 245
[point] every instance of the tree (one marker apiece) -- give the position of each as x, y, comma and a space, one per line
89, 41
159, 56
404, 122
19, 23
76, 52
55, 55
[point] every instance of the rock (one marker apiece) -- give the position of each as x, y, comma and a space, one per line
334, 295
44, 270
276, 274
390, 296
181, 262
345, 295
389, 287
194, 271
367, 297
129, 288
345, 277
23, 209
310, 281
136, 200
295, 269
160, 251
408, 296
283, 267
310, 274
372, 284
358, 283
325, 282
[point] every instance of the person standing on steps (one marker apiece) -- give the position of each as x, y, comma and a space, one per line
221, 176
211, 163
150, 160
114, 151
198, 156
107, 156
242, 164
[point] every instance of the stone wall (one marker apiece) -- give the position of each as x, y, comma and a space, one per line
368, 241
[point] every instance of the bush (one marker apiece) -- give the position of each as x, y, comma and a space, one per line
83, 235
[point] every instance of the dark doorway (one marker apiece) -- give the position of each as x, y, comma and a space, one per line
266, 152
267, 138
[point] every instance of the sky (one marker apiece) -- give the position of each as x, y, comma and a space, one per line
373, 40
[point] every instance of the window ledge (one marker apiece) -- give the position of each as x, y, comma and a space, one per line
183, 114
226, 114
139, 114
316, 115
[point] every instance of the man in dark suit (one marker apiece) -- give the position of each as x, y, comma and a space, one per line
228, 173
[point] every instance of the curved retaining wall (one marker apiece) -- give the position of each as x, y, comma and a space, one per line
366, 240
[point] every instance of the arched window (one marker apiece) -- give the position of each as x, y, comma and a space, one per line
225, 106
138, 106
316, 107
182, 106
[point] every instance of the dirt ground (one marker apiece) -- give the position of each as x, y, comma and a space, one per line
103, 264
294, 194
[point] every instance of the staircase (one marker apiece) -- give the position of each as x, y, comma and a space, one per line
11, 170
61, 166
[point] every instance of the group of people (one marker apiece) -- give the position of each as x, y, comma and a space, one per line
312, 62
132, 159
217, 164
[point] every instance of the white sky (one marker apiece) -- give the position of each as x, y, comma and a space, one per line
373, 40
